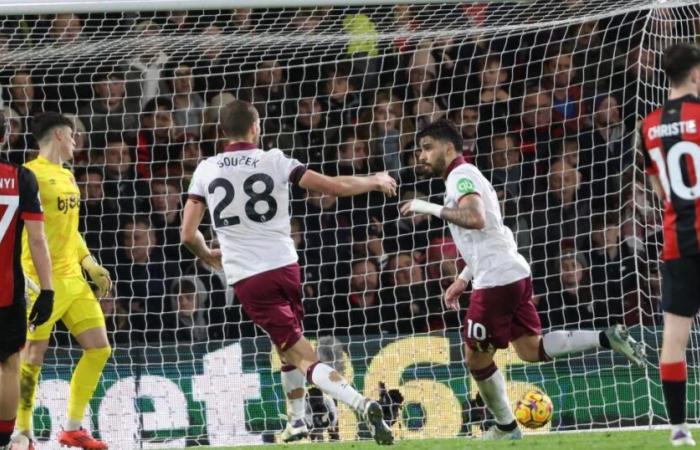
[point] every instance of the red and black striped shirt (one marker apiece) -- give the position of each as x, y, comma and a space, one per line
19, 201
671, 145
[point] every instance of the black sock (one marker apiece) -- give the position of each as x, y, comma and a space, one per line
4, 439
673, 380
674, 394
507, 427
604, 341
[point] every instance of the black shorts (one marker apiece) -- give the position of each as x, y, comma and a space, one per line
13, 330
680, 286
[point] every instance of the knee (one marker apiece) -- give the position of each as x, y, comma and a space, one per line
100, 354
478, 360
34, 351
529, 354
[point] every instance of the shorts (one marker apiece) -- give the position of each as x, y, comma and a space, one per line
499, 315
13, 330
680, 286
272, 300
74, 304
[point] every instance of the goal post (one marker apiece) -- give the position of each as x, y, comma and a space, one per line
547, 96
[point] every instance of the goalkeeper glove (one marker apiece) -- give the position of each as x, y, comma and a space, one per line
42, 308
98, 274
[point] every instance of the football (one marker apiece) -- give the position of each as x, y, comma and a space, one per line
534, 409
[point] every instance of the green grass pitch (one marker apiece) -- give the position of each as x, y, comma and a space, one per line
627, 440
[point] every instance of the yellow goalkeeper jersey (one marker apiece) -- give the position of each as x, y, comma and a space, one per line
60, 198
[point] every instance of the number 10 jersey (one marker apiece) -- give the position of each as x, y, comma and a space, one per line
670, 139
247, 193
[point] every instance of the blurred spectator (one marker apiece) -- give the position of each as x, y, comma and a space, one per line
186, 321
15, 144
557, 216
98, 215
120, 175
106, 111
504, 165
154, 147
536, 128
343, 101
613, 150
141, 273
188, 105
568, 304
612, 263
405, 300
561, 80
383, 134
65, 28
120, 323
166, 206
81, 155
466, 119
357, 309
311, 141
213, 140
493, 94
353, 154
144, 75
22, 100
266, 90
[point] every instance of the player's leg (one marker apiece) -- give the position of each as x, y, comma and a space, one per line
492, 387
9, 395
31, 360
85, 321
304, 358
487, 328
679, 302
674, 373
294, 386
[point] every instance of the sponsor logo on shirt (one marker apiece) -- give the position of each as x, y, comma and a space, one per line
465, 186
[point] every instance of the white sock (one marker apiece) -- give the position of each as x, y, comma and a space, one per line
558, 343
291, 381
332, 383
72, 425
493, 391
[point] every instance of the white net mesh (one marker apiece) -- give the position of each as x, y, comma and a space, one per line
546, 94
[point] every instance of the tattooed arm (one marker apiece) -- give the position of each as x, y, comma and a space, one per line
469, 214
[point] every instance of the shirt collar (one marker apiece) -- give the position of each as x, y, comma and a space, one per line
236, 146
458, 161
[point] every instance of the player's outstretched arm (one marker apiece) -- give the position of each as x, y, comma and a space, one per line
193, 239
469, 214
346, 186
43, 305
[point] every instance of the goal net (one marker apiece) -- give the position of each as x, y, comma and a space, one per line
547, 95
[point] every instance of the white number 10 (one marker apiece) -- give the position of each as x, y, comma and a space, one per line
12, 202
672, 180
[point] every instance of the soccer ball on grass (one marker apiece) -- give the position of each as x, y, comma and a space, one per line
534, 409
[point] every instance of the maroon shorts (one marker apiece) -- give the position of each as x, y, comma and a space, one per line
499, 315
272, 300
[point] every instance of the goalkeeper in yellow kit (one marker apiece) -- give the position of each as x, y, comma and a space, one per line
75, 303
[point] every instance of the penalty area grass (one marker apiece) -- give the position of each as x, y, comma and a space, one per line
614, 440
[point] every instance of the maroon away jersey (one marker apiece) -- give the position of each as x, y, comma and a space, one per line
19, 201
671, 141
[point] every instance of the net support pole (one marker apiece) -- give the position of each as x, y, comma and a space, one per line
11, 7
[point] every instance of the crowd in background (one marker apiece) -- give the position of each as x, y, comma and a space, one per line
548, 114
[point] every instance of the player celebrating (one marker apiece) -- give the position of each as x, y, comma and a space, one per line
501, 309
670, 139
75, 303
19, 195
247, 190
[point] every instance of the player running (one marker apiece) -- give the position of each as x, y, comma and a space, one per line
670, 137
247, 191
75, 303
21, 209
501, 309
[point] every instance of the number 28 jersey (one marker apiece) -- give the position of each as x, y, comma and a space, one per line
247, 193
670, 137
